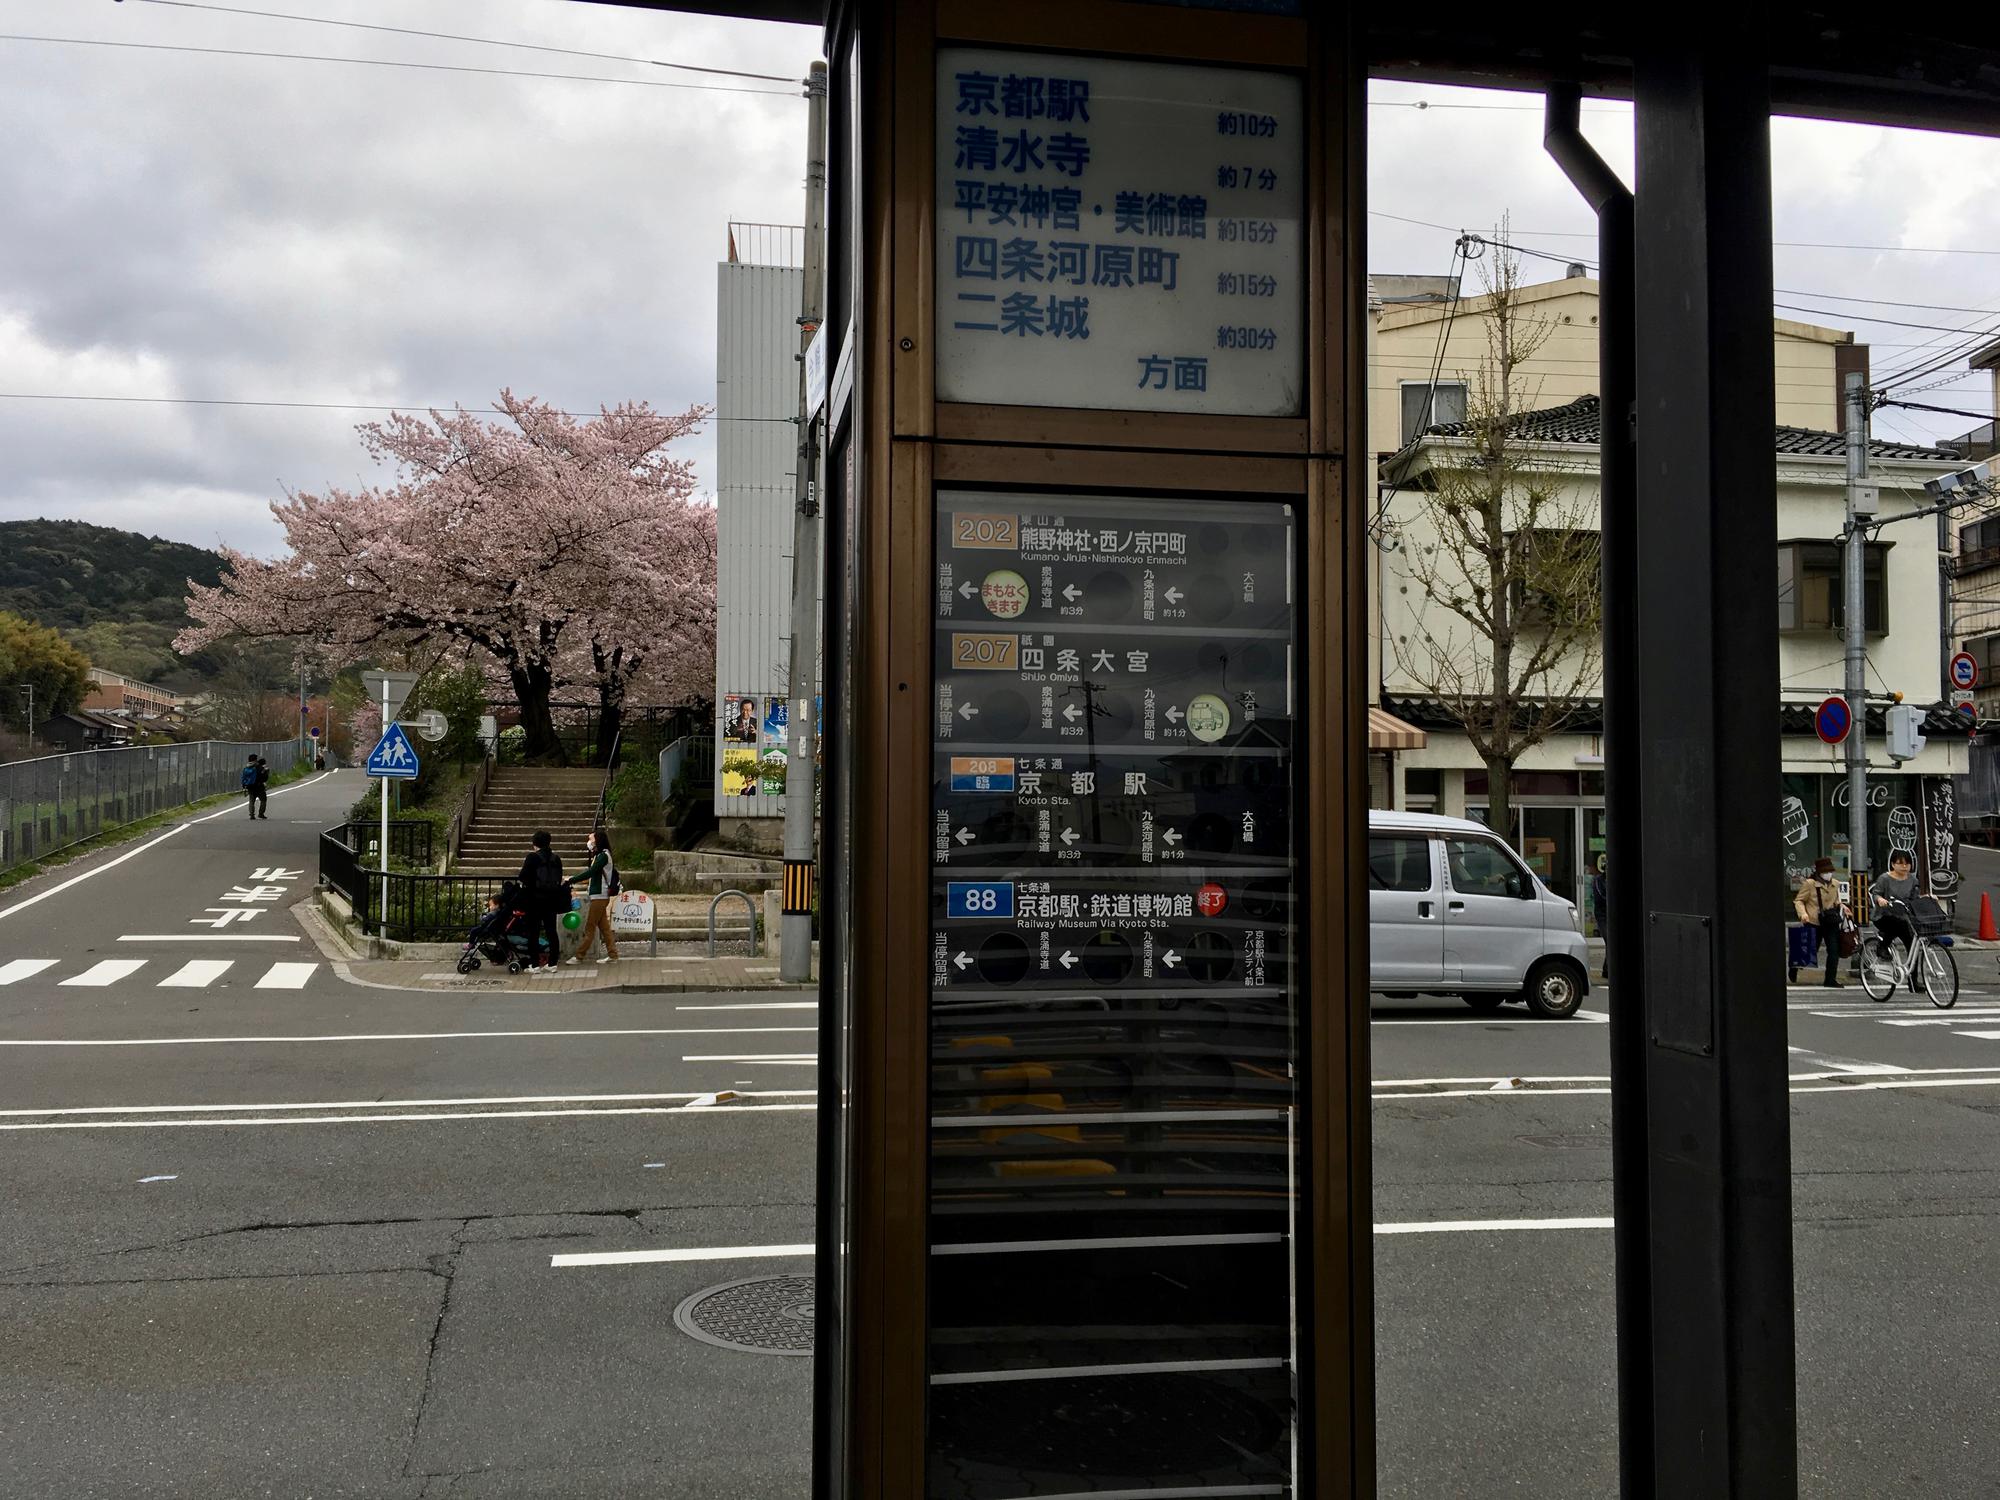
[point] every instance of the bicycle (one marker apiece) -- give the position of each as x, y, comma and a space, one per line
1884, 965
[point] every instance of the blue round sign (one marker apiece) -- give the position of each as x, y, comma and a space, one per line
1831, 720
1964, 671
1968, 715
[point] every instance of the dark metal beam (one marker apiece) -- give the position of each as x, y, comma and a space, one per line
1625, 822
1700, 671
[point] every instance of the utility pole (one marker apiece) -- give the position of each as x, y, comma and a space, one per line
1860, 504
801, 778
299, 734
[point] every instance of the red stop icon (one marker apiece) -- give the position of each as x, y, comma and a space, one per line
1210, 900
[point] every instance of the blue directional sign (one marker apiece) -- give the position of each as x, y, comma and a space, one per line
1964, 670
393, 757
1831, 720
979, 898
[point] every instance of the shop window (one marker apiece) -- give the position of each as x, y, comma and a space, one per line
1810, 592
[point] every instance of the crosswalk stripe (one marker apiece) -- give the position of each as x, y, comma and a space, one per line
107, 971
286, 977
17, 969
196, 975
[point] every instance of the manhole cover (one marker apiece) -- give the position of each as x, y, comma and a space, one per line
763, 1315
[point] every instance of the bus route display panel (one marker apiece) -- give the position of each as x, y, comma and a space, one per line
1113, 995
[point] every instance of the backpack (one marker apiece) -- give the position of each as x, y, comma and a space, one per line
612, 885
548, 875
249, 778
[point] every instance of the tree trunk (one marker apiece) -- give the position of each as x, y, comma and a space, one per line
610, 718
1500, 797
532, 686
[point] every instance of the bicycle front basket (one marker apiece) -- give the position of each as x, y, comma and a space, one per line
1928, 916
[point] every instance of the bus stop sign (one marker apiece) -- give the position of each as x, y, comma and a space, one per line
1831, 720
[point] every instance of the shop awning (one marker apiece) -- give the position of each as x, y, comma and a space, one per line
1387, 732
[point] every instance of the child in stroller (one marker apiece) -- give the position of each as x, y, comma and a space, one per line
501, 935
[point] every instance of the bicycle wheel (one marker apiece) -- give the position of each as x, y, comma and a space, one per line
1878, 968
1940, 971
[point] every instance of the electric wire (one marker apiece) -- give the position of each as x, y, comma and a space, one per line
383, 62
448, 36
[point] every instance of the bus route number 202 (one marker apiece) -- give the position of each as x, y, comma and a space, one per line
970, 530
981, 651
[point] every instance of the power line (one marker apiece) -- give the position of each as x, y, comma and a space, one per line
447, 36
381, 62
1949, 411
1580, 234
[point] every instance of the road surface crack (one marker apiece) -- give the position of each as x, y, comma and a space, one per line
446, 1265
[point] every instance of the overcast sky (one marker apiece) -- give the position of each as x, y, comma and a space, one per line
260, 229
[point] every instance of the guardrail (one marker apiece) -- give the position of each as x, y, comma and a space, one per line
56, 801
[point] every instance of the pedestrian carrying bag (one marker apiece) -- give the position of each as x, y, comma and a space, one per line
612, 885
548, 875
1850, 937
249, 777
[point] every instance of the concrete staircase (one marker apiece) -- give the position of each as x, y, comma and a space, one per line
521, 799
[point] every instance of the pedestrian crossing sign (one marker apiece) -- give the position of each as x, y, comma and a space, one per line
393, 757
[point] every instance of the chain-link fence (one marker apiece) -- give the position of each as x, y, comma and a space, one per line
48, 804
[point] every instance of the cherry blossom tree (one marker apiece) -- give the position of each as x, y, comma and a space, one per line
523, 540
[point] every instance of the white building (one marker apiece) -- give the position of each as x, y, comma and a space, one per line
1558, 787
756, 407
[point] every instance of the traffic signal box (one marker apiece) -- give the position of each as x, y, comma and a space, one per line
1094, 1177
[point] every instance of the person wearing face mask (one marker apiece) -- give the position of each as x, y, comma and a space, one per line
1819, 905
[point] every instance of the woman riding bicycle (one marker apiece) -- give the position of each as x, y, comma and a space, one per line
1892, 895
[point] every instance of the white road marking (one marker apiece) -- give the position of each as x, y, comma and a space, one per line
17, 969
286, 976
1133, 1367
109, 864
758, 1005
678, 1110
1984, 1036
190, 1109
719, 1252
107, 971
390, 1036
197, 974
787, 1252
1487, 1020
206, 937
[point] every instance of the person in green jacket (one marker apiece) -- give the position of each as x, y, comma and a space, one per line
597, 900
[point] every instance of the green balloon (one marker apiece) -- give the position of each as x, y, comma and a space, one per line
572, 921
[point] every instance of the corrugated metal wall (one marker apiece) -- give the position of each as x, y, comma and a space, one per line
756, 397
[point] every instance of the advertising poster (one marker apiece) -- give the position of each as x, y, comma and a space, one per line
739, 719
739, 770
777, 723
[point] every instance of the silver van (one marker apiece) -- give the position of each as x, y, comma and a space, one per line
1452, 910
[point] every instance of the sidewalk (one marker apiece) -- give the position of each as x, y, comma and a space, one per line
636, 973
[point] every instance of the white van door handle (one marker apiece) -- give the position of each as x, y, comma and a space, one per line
1455, 906
1424, 910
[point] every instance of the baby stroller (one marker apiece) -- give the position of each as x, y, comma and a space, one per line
500, 936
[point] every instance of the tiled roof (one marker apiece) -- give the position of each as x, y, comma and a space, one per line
1581, 422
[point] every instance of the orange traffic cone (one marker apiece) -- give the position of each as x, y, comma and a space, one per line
1987, 933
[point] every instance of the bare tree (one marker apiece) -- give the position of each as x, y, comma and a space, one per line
1507, 617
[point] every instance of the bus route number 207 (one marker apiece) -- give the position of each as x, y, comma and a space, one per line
982, 651
979, 898
969, 530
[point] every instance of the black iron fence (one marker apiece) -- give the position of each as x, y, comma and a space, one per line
402, 906
52, 802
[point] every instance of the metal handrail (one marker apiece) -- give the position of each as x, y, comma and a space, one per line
610, 770
748, 905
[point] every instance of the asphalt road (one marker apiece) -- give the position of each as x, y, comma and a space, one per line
269, 1232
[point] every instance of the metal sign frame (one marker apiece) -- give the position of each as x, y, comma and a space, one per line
903, 445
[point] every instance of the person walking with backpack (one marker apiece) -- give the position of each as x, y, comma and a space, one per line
545, 896
254, 782
263, 788
602, 878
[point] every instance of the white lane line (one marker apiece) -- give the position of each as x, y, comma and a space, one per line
1135, 1367
393, 1036
190, 1109
644, 1257
1489, 1092
197, 974
17, 969
678, 1110
1984, 1036
1492, 1020
107, 971
784, 1252
287, 976
758, 1005
237, 807
205, 937
1483, 1226
109, 864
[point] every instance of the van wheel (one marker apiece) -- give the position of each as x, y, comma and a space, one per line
1484, 1002
1554, 989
